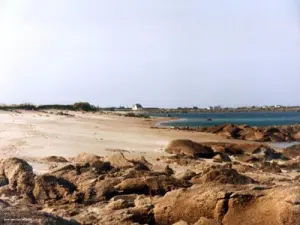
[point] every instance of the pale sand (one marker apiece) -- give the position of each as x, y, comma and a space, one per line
33, 135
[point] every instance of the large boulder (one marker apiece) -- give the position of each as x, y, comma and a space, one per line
87, 180
115, 213
96, 191
292, 151
85, 157
12, 215
246, 130
232, 130
19, 174
85, 160
152, 185
118, 160
64, 171
278, 206
230, 205
49, 187
223, 176
187, 175
191, 204
189, 148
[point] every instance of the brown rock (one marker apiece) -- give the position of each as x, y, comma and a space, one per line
189, 204
63, 170
3, 181
142, 164
266, 153
232, 130
168, 170
14, 215
130, 199
189, 148
205, 221
118, 160
118, 204
182, 160
246, 131
95, 191
277, 137
86, 158
249, 137
181, 222
134, 185
234, 150
52, 188
4, 204
244, 168
57, 159
292, 151
270, 167
274, 206
19, 174
229, 205
144, 201
225, 134
247, 158
296, 136
259, 136
216, 129
187, 175
122, 202
272, 130
101, 214
220, 158
291, 164
223, 176
154, 185
218, 148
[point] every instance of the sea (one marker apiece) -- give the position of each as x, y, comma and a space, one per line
247, 118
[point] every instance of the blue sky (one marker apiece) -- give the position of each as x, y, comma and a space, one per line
158, 53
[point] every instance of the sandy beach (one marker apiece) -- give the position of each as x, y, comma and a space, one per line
40, 134
33, 135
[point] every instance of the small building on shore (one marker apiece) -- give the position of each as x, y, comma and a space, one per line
137, 107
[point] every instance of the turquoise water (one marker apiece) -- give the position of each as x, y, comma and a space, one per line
249, 118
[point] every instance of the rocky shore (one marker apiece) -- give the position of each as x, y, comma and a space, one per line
260, 134
207, 183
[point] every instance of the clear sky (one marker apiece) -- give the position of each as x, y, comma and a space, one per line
154, 52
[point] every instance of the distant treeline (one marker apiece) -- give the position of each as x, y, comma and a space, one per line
78, 106
85, 106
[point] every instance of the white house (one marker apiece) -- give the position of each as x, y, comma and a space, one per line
137, 107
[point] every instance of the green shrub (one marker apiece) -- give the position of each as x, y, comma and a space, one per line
84, 106
138, 115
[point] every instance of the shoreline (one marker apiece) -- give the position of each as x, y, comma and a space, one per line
162, 120
267, 137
